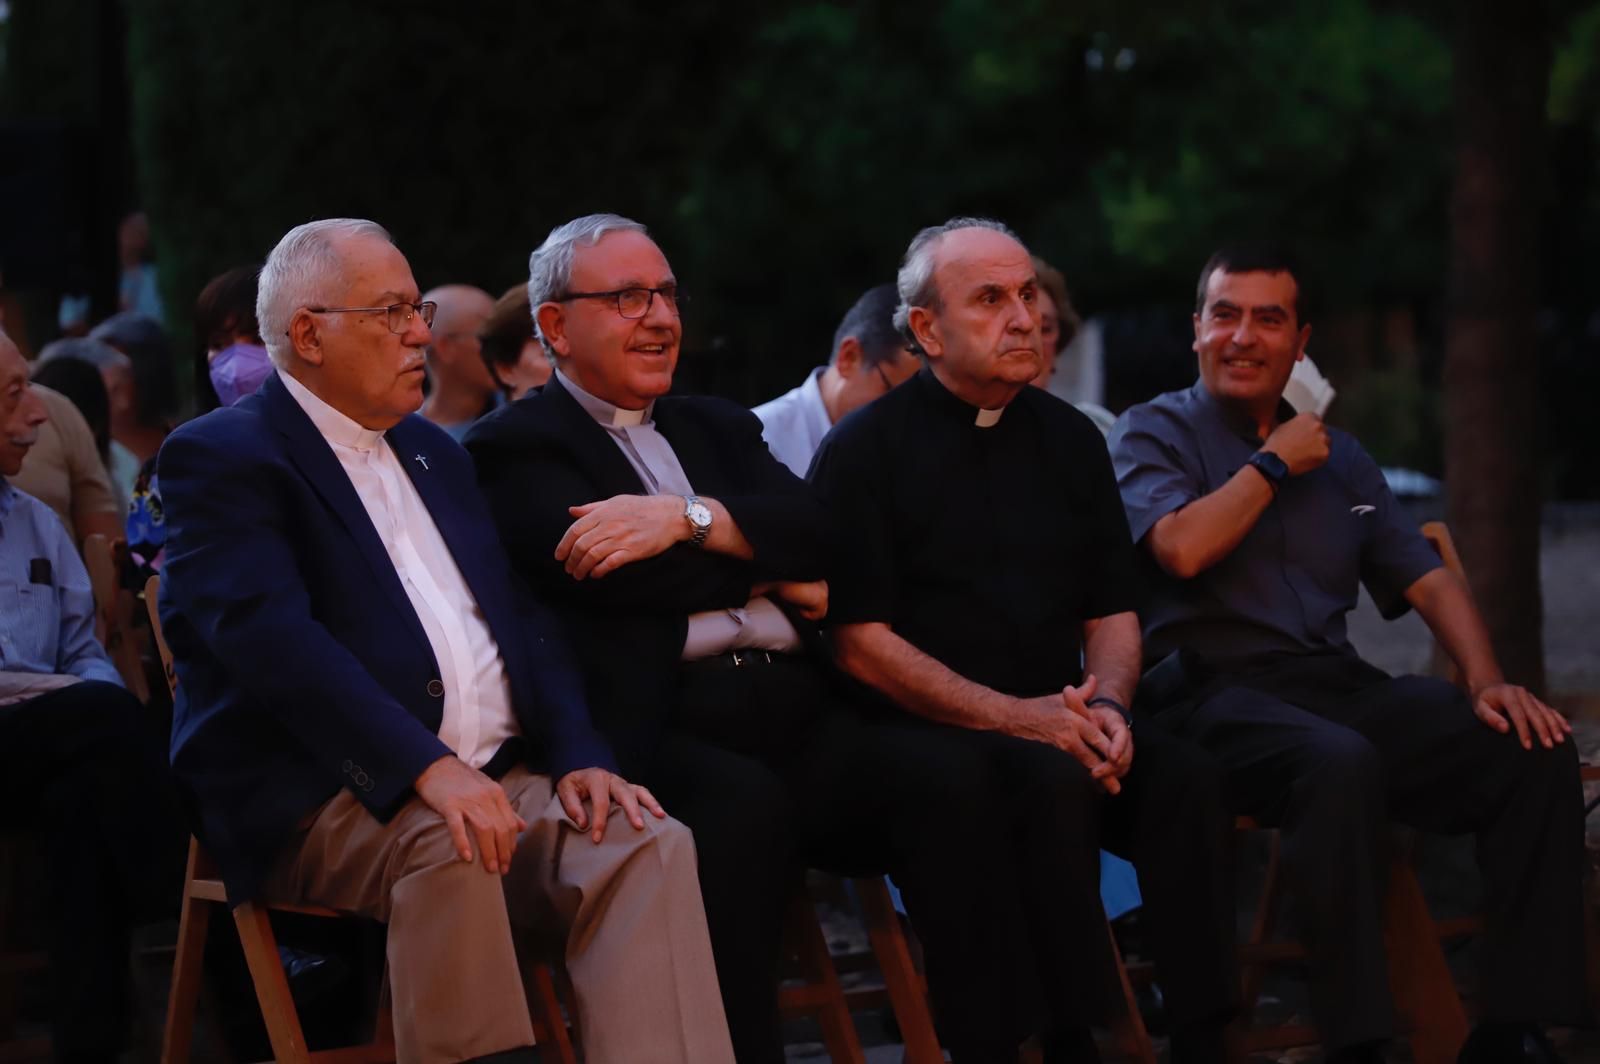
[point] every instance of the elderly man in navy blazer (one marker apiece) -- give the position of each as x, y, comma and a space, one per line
374, 716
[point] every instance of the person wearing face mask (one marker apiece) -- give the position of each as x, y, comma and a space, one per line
232, 366
235, 362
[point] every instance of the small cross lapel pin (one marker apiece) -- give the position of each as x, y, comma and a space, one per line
422, 460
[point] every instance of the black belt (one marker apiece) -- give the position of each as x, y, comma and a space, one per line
743, 658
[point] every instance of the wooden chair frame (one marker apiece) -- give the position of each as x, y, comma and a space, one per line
203, 891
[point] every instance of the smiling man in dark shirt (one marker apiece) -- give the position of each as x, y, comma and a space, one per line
986, 604
1258, 525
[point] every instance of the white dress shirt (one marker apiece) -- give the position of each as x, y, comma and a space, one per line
759, 624
477, 695
795, 422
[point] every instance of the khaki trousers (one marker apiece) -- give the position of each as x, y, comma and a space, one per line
628, 911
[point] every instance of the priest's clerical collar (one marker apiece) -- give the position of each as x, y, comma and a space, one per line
982, 417
608, 414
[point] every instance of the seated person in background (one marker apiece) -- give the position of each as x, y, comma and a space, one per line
462, 388
80, 767
143, 392
510, 350
116, 373
869, 358
1059, 324
234, 361
695, 647
233, 364
66, 468
1258, 526
986, 603
373, 716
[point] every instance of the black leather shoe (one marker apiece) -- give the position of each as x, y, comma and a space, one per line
1508, 1043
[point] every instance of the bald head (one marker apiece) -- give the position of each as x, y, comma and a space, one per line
21, 410
455, 358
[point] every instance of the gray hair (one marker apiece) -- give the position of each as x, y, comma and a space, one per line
914, 282
550, 265
299, 273
97, 353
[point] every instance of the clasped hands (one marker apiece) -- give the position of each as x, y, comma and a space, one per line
476, 808
1097, 736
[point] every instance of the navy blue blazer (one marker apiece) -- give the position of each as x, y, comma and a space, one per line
302, 666
544, 453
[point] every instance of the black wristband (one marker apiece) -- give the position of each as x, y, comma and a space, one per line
1122, 710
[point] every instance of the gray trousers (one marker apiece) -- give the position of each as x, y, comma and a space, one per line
627, 910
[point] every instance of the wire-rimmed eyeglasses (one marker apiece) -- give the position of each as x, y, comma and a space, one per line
399, 314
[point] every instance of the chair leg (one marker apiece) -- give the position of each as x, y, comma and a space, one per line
188, 963
1424, 992
1133, 1041
1261, 929
833, 1014
272, 986
907, 995
554, 1042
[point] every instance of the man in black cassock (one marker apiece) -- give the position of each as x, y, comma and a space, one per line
986, 603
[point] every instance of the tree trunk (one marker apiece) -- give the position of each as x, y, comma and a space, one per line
1502, 70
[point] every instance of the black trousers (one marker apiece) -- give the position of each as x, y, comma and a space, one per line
84, 773
993, 841
1331, 749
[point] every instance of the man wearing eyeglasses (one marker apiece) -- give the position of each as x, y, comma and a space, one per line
687, 563
373, 717
869, 358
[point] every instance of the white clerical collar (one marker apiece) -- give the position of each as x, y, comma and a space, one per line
608, 414
988, 419
335, 427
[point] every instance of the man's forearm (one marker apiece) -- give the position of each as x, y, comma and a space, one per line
876, 656
1446, 605
1191, 540
725, 536
1111, 654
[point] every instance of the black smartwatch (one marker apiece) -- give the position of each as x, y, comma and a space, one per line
1122, 710
1270, 466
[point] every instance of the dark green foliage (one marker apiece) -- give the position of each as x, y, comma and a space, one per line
784, 154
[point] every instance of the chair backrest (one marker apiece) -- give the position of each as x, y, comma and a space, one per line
152, 591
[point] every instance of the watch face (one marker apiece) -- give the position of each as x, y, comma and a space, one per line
699, 515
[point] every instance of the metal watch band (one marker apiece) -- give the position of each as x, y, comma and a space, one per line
697, 532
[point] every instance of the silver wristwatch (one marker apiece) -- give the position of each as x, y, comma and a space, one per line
698, 514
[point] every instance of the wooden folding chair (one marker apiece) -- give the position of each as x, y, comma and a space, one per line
1425, 993
114, 611
203, 891
905, 988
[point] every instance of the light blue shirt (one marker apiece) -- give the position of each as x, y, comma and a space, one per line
46, 603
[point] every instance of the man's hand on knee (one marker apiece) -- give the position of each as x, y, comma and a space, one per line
471, 802
1505, 706
601, 788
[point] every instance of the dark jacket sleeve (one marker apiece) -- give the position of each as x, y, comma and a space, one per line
231, 574
780, 514
531, 479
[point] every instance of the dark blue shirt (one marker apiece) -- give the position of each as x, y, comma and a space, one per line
1290, 582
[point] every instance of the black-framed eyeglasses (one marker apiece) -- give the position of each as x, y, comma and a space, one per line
399, 314
635, 302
